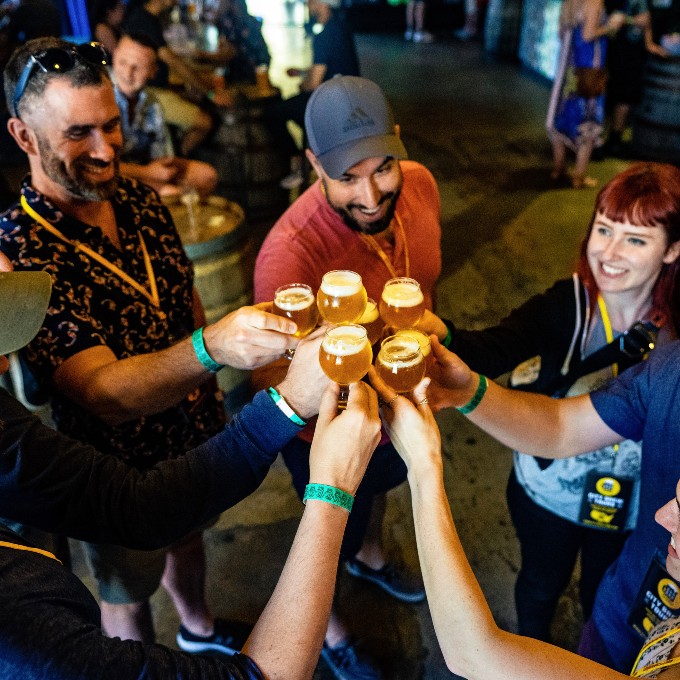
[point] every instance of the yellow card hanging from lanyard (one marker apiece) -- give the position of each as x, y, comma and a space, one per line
151, 295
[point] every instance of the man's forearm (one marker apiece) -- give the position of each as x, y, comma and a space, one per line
287, 639
119, 390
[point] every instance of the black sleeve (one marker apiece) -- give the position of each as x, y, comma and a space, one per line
56, 484
545, 323
50, 628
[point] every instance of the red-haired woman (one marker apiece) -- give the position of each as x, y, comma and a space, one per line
625, 286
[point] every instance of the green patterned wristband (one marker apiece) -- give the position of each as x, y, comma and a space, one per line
474, 402
202, 353
329, 494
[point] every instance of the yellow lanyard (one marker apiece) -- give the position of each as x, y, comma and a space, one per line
151, 296
637, 672
607, 328
375, 246
16, 546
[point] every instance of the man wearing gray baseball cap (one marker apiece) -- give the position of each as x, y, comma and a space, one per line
376, 213
51, 624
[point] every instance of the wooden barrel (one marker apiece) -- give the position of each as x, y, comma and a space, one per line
216, 239
248, 164
656, 120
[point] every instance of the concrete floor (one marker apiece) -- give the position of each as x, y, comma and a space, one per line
507, 233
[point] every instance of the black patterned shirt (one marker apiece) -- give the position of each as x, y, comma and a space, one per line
91, 306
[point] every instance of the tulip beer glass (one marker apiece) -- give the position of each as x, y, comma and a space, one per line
371, 321
400, 362
402, 303
296, 302
342, 296
345, 356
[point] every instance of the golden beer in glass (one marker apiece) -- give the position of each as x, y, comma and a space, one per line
400, 363
296, 302
342, 296
402, 304
345, 356
371, 321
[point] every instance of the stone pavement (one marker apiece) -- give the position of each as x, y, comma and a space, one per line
507, 234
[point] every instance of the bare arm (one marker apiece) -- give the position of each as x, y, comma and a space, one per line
287, 639
472, 644
313, 78
592, 26
120, 390
531, 423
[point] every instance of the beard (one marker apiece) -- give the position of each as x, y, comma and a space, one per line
345, 212
73, 179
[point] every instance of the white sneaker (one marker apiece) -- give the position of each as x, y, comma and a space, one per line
408, 35
424, 37
292, 181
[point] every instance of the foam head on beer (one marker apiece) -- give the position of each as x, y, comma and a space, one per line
347, 120
296, 302
342, 296
402, 304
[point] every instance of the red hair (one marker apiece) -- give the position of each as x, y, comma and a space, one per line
648, 195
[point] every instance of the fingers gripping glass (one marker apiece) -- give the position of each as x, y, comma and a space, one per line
59, 60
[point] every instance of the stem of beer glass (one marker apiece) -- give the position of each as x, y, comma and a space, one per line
343, 397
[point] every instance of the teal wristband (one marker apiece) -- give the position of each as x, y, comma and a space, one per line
479, 394
449, 336
329, 494
202, 353
284, 406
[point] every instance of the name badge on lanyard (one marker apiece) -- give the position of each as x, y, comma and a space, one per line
657, 600
606, 501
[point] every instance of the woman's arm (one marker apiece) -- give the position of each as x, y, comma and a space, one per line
593, 27
472, 644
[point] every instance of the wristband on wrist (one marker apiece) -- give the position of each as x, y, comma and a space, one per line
284, 406
477, 397
202, 353
329, 494
449, 335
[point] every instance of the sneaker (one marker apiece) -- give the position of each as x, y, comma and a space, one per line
228, 638
292, 181
346, 663
424, 37
408, 35
388, 578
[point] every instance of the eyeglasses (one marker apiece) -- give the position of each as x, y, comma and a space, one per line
59, 60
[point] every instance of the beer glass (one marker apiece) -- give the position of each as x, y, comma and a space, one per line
423, 341
400, 363
296, 302
342, 296
371, 321
345, 356
402, 303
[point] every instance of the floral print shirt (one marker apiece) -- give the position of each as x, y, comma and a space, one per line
92, 306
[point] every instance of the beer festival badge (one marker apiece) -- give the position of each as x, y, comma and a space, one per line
606, 500
657, 600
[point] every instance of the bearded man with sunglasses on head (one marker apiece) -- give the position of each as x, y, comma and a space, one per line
122, 349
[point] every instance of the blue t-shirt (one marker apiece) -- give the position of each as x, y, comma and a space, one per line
643, 403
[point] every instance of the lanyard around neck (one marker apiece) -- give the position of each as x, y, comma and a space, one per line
639, 672
375, 246
151, 296
609, 334
16, 546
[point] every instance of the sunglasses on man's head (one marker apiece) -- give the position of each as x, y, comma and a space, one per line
59, 60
